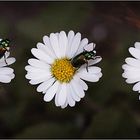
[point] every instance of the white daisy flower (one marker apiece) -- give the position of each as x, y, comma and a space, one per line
6, 73
132, 67
53, 71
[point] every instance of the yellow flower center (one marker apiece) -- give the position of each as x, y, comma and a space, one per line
62, 70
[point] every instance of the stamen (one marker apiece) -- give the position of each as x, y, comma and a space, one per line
63, 70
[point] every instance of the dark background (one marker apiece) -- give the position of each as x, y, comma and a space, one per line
110, 108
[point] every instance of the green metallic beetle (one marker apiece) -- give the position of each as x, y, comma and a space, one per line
84, 57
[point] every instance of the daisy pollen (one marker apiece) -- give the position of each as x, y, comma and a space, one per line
53, 71
63, 70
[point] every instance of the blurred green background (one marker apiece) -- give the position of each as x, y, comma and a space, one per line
110, 108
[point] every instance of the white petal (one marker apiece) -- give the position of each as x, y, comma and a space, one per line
70, 39
91, 70
77, 88
62, 94
127, 67
36, 76
57, 34
50, 93
99, 74
5, 79
39, 64
41, 46
89, 47
45, 85
132, 80
137, 45
65, 105
134, 52
41, 55
131, 74
39, 80
83, 43
93, 74
46, 40
55, 44
83, 84
136, 87
9, 61
73, 94
89, 77
74, 45
57, 95
70, 100
31, 69
12, 75
63, 41
47, 50
93, 62
132, 62
6, 71
7, 54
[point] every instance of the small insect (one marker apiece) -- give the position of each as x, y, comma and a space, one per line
4, 46
83, 58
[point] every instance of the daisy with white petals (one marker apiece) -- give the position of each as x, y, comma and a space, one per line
6, 73
132, 67
53, 71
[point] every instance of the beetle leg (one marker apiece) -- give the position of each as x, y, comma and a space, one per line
5, 59
84, 50
5, 56
96, 57
87, 65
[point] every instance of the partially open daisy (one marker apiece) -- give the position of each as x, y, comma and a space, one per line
6, 73
132, 67
53, 71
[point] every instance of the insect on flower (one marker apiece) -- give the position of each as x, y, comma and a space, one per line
4, 46
82, 58
62, 64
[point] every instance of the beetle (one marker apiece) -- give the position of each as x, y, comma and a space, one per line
4, 46
88, 54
